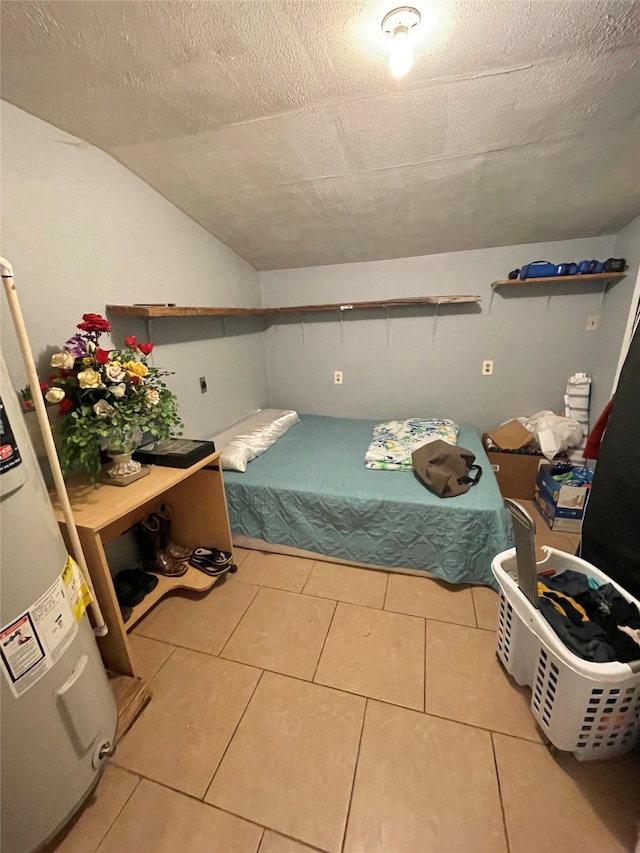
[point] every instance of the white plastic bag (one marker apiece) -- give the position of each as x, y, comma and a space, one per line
553, 432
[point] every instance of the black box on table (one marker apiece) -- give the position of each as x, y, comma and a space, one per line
174, 452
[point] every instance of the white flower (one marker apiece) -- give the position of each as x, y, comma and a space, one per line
118, 390
91, 347
115, 372
103, 409
54, 395
63, 360
152, 397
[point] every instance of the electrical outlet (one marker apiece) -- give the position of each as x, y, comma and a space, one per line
592, 322
203, 385
337, 377
487, 368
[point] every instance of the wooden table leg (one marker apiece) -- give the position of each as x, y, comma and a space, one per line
200, 515
114, 648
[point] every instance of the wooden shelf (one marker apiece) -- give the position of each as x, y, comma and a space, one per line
410, 302
193, 580
604, 277
200, 517
155, 311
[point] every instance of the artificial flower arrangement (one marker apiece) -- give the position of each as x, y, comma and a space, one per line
106, 398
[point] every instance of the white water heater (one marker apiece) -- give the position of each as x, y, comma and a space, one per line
57, 710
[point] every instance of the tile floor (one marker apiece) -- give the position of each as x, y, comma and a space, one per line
301, 705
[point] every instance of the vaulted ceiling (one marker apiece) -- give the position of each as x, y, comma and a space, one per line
278, 127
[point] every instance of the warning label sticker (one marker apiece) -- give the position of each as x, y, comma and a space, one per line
76, 588
20, 647
31, 644
9, 453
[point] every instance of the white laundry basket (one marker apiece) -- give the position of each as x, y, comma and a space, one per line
589, 709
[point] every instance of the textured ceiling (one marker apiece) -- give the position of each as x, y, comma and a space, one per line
278, 127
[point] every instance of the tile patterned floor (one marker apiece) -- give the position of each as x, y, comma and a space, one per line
183, 733
283, 632
292, 727
304, 706
375, 653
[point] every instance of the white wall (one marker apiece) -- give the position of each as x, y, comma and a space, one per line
82, 231
392, 369
620, 302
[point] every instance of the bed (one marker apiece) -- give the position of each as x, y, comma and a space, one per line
312, 491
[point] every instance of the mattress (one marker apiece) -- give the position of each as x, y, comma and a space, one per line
311, 490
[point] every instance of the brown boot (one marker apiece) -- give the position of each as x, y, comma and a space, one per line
156, 558
165, 517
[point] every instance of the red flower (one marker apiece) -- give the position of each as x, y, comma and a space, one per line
94, 323
145, 349
134, 380
102, 355
130, 341
64, 406
44, 387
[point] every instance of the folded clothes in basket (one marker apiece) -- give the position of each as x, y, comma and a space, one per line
590, 621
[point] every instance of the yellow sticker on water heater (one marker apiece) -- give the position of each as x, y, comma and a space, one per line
75, 588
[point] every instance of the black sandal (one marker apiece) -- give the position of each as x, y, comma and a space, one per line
211, 561
219, 571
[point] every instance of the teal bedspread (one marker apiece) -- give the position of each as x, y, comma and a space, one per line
312, 490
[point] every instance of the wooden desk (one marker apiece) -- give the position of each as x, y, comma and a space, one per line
200, 518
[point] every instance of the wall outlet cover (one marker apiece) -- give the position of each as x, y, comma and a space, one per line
337, 377
592, 322
487, 368
203, 384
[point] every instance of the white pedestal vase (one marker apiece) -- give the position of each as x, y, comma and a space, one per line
123, 469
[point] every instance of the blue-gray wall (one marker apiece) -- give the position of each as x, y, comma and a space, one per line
393, 369
82, 231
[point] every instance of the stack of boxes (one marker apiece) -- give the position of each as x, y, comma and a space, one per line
524, 474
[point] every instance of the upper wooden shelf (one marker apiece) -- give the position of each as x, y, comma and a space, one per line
604, 277
178, 311
152, 311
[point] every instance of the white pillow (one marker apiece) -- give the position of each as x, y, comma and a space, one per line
252, 436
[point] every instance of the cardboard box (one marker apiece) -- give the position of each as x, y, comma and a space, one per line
515, 472
511, 436
562, 507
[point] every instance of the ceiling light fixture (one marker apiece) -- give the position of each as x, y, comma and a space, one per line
398, 25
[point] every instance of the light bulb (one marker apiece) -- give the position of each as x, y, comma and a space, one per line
401, 55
